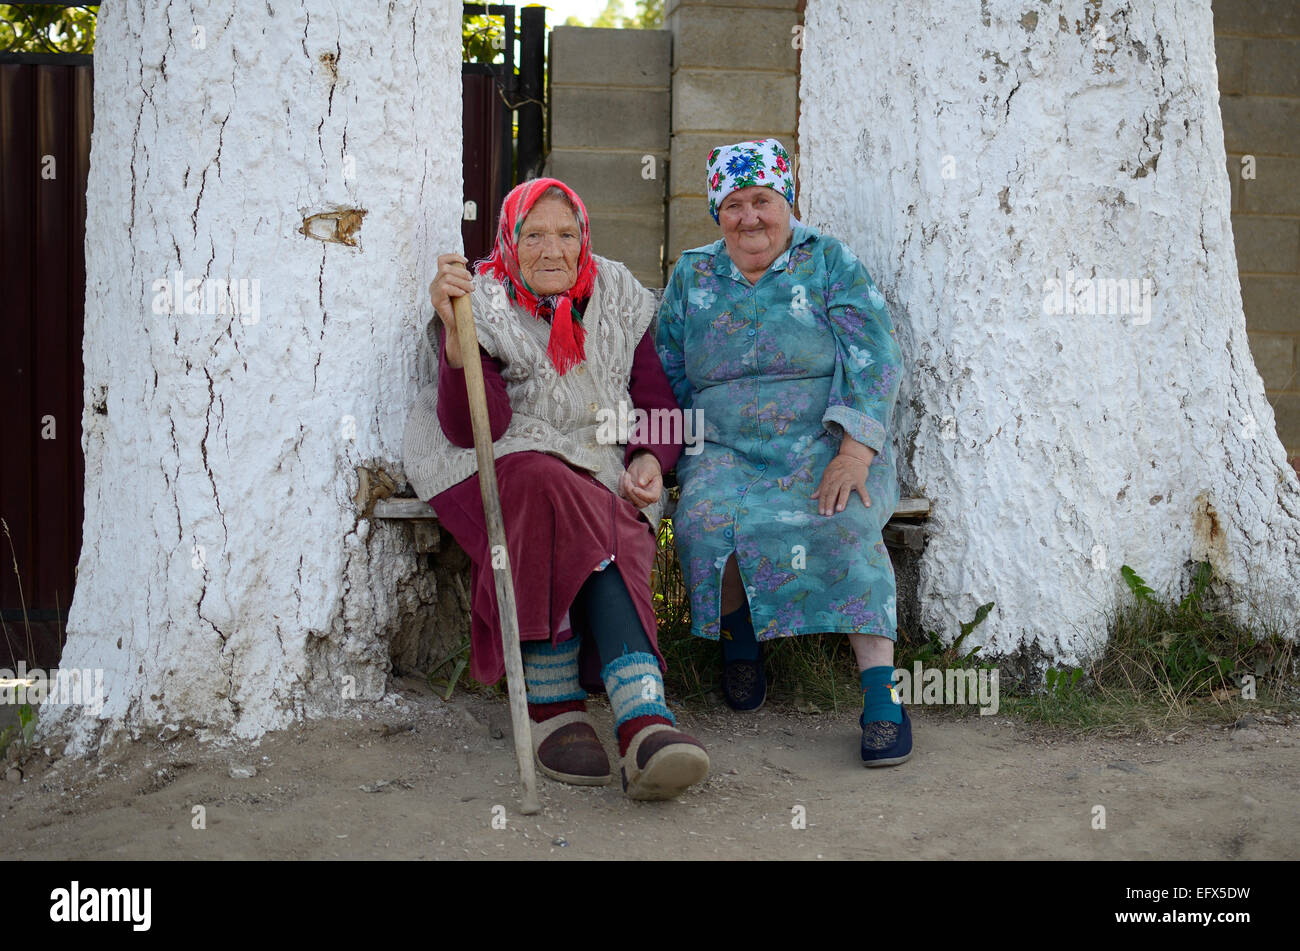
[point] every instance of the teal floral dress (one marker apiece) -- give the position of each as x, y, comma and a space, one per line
778, 371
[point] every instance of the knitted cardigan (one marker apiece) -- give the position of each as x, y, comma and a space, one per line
549, 413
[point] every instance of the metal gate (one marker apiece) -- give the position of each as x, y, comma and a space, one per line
495, 98
45, 119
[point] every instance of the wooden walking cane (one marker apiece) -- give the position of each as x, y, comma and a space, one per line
500, 554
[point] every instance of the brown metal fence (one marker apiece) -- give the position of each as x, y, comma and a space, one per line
487, 179
503, 133
45, 120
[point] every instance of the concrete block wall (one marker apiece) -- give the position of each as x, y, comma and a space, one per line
734, 77
609, 137
1257, 48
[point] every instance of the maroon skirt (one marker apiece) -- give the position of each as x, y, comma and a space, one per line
561, 524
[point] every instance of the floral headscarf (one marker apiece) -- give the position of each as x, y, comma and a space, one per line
565, 347
758, 162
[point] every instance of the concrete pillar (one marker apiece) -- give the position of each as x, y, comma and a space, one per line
609, 137
1259, 95
734, 77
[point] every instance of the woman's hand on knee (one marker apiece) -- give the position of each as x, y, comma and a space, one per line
844, 475
642, 482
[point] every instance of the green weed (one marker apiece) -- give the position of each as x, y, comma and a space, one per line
1166, 662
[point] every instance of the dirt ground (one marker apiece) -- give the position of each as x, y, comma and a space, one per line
416, 778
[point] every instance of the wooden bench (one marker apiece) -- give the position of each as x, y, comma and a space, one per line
903, 530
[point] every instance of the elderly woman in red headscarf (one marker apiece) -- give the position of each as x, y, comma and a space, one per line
566, 348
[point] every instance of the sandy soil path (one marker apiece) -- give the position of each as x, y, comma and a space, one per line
977, 787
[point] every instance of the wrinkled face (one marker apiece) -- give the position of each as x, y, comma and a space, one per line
755, 225
549, 244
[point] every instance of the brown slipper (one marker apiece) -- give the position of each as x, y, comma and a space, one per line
568, 750
661, 762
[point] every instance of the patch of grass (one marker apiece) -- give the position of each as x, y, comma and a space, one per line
25, 730
672, 601
1189, 649
932, 652
816, 674
445, 674
22, 733
452, 671
1167, 664
31, 649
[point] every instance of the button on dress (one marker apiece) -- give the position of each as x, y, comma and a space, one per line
779, 370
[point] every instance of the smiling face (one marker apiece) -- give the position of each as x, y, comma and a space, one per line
549, 245
756, 227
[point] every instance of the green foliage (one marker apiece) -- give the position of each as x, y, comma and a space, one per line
44, 29
1137, 585
458, 660
934, 653
967, 626
1061, 683
672, 604
483, 39
1184, 648
649, 15
1200, 583
1166, 660
611, 17
27, 721
24, 731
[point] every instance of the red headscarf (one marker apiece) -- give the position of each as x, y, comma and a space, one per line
565, 347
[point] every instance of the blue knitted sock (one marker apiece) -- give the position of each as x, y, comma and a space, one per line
737, 633
635, 687
551, 673
877, 697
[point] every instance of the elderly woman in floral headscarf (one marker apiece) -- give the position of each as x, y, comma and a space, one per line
779, 336
565, 342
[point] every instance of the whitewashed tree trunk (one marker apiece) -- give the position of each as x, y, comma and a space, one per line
225, 578
973, 153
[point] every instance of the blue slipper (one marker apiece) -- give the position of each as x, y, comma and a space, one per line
744, 684
885, 743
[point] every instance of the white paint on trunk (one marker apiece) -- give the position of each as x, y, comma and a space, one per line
224, 577
970, 155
